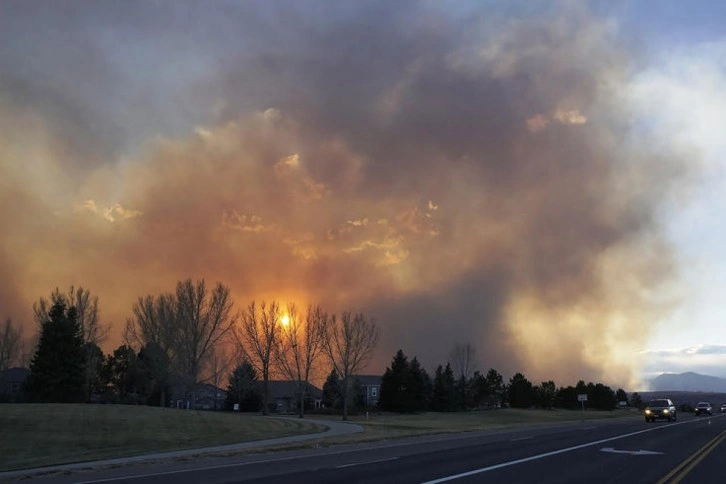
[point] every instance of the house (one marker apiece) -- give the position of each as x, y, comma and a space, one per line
209, 397
11, 384
371, 388
206, 397
283, 395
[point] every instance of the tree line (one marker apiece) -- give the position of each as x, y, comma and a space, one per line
178, 339
407, 387
194, 335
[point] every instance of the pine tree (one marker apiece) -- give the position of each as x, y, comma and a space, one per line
419, 386
395, 385
521, 391
243, 388
332, 397
438, 399
57, 371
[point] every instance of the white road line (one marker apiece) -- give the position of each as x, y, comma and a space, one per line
522, 438
546, 454
366, 462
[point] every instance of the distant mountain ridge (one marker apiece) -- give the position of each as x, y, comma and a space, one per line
688, 382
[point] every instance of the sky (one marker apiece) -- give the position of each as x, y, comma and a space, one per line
541, 180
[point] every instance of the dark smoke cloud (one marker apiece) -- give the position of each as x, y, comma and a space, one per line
464, 176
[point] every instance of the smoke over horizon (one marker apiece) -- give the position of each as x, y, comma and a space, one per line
458, 176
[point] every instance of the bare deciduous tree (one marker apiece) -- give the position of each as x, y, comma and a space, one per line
349, 342
88, 314
299, 346
462, 360
203, 319
184, 327
217, 365
10, 344
257, 335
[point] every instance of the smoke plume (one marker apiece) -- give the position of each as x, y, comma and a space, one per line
466, 175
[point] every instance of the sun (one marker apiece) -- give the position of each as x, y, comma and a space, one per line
285, 320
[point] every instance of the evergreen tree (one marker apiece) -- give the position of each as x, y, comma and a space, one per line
444, 398
57, 371
243, 388
419, 386
495, 385
405, 386
602, 396
545, 394
332, 397
125, 375
439, 402
478, 389
394, 385
567, 398
621, 396
155, 368
521, 393
94, 367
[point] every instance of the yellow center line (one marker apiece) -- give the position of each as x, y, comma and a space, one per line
675, 476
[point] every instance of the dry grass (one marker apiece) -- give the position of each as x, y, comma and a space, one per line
33, 435
393, 426
39, 435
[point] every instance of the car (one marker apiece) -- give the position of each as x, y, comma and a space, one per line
723, 408
661, 408
704, 408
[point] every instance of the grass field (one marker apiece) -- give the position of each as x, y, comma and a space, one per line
39, 435
383, 426
33, 435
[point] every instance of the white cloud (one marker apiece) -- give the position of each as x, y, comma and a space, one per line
112, 213
573, 116
680, 102
707, 359
244, 222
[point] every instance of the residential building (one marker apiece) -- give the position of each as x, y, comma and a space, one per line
284, 396
371, 387
11, 384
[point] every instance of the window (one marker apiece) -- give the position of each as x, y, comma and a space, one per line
374, 392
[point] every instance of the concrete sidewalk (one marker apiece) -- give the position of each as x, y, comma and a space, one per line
335, 428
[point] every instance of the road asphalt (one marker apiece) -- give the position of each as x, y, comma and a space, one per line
335, 429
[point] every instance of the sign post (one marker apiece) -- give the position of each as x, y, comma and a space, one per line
582, 398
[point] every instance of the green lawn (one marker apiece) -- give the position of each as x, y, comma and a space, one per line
33, 435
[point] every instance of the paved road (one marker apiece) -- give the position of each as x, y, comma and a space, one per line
632, 451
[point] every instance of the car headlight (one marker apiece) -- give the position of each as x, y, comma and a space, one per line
647, 411
666, 411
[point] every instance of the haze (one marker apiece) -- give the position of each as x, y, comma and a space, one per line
488, 174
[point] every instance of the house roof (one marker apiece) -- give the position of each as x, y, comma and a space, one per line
369, 379
209, 388
14, 374
288, 389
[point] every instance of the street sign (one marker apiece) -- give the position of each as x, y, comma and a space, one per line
582, 397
